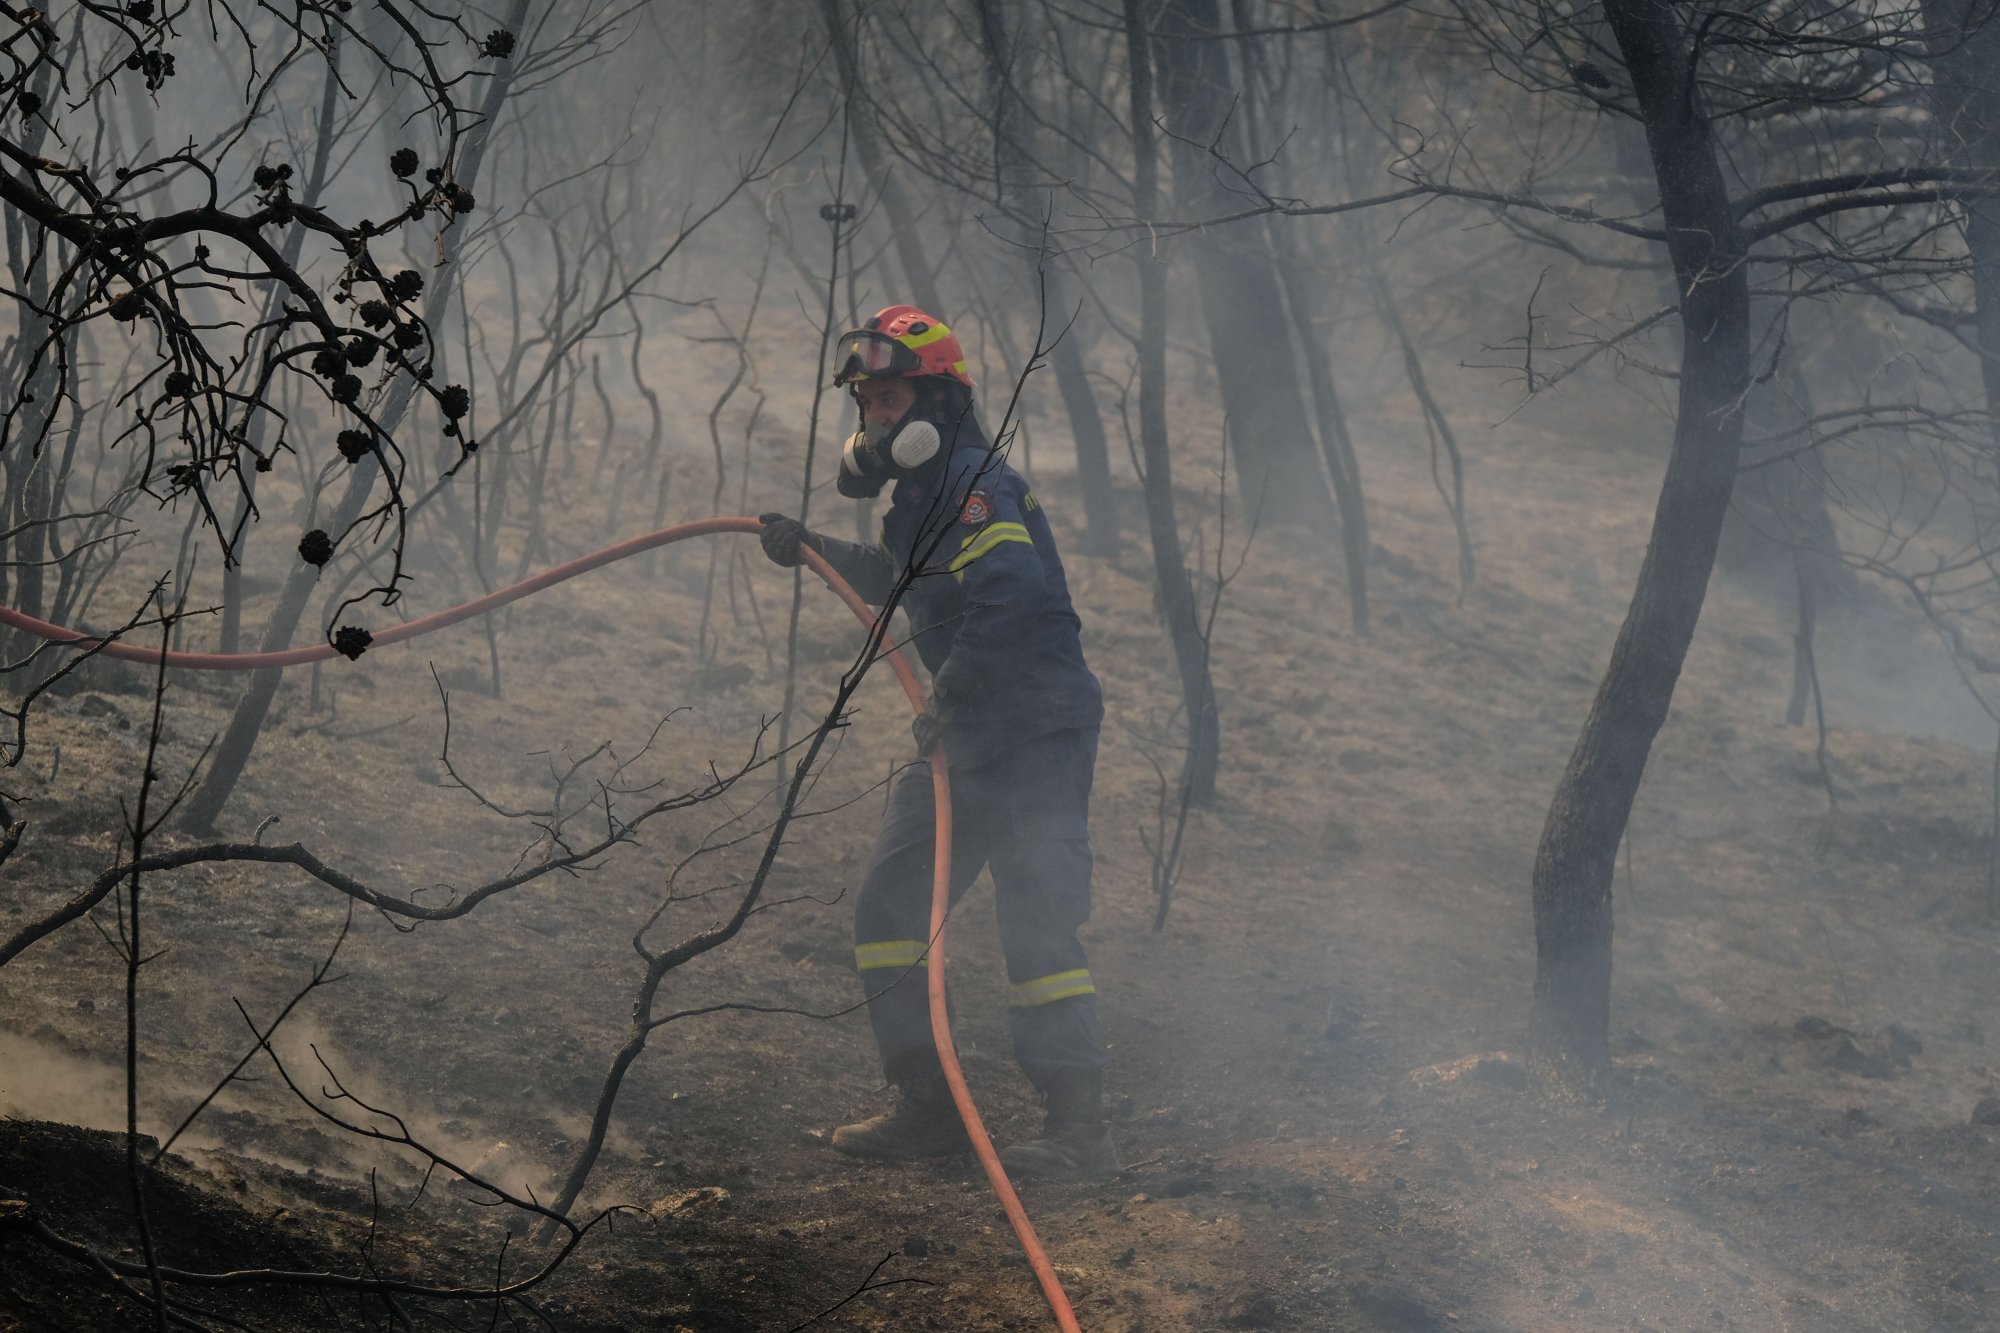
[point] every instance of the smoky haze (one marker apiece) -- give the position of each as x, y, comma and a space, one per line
1526, 477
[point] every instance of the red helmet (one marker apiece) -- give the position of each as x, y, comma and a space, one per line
901, 342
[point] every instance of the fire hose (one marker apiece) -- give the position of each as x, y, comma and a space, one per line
961, 1095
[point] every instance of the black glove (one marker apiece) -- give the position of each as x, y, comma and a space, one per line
782, 536
928, 727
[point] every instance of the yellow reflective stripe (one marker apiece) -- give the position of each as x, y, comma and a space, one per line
889, 953
927, 337
1047, 990
984, 540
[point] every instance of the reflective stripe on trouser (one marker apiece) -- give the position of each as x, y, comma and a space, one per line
1049, 989
1026, 816
898, 954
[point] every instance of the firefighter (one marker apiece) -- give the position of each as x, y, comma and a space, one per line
1017, 712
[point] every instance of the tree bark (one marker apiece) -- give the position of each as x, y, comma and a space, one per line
1270, 435
1569, 1041
1169, 560
1964, 37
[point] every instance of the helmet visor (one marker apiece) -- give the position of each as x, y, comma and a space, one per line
867, 355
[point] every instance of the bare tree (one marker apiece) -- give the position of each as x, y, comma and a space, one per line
897, 205
1702, 81
1176, 592
541, 390
1568, 1048
1241, 300
1020, 188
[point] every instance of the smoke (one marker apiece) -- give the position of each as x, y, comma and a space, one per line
1882, 669
41, 1081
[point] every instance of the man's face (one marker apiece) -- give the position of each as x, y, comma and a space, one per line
884, 403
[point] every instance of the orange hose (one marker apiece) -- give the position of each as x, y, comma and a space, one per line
478, 606
961, 1095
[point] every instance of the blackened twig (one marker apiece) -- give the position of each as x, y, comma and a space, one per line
868, 1284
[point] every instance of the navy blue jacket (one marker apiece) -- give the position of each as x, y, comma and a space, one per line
989, 604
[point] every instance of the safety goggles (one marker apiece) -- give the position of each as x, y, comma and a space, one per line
867, 355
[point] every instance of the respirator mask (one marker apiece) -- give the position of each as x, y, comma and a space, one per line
876, 455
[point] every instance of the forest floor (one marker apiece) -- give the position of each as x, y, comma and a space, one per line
1317, 1079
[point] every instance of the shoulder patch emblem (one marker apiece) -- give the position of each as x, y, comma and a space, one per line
977, 509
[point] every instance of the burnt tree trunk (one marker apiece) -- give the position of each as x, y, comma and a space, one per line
1086, 425
1014, 163
1270, 434
33, 375
1303, 290
1307, 293
1964, 38
1569, 1040
1780, 535
1169, 560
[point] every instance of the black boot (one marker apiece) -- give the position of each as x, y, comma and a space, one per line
1075, 1142
922, 1123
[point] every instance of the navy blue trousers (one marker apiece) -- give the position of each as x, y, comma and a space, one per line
1026, 815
